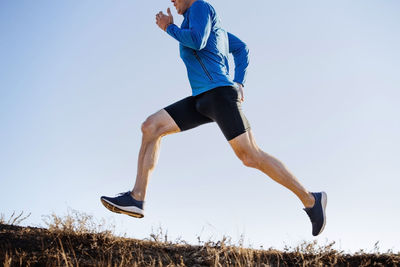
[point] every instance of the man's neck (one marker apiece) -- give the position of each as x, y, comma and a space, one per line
190, 4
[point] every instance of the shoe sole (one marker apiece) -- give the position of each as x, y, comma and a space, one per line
116, 209
324, 201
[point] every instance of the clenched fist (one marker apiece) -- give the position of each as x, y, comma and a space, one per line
163, 21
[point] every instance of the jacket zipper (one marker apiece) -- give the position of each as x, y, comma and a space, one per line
202, 65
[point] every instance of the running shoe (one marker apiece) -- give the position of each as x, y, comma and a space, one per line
317, 213
124, 203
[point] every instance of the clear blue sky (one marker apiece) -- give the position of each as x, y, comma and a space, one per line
77, 78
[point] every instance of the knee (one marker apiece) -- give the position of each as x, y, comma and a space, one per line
150, 128
249, 158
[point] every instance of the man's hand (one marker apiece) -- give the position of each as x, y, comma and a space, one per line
163, 21
240, 88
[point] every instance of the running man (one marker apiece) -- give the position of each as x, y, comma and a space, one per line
204, 48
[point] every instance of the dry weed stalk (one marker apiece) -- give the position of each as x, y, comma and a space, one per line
14, 219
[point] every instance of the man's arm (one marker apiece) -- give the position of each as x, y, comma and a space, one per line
199, 27
240, 54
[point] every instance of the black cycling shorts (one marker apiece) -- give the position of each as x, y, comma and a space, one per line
221, 105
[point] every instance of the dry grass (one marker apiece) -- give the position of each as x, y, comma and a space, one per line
79, 223
76, 239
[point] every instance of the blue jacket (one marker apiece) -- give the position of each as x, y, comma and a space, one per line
204, 48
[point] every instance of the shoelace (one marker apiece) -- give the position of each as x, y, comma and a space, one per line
124, 193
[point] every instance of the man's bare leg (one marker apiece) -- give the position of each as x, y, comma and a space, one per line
154, 128
251, 155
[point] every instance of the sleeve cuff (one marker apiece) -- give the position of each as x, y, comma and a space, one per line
170, 29
240, 82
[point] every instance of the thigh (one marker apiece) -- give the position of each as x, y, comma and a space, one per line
185, 114
223, 106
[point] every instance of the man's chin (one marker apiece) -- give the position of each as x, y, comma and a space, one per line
179, 11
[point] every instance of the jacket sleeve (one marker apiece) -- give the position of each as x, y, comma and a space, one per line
199, 27
240, 54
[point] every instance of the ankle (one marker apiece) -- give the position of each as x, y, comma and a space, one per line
137, 196
310, 201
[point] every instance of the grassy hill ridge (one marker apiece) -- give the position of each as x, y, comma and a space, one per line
31, 246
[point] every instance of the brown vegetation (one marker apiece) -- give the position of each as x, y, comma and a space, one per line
75, 240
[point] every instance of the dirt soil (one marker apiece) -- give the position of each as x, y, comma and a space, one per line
30, 246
